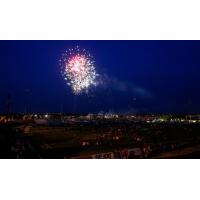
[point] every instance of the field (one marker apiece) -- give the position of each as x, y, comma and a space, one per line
77, 140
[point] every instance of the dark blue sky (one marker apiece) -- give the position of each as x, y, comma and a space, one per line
139, 76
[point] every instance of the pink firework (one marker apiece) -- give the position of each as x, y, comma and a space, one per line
78, 70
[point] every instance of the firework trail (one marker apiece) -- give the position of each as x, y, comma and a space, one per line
78, 69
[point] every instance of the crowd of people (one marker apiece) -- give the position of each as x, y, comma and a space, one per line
13, 143
97, 139
151, 139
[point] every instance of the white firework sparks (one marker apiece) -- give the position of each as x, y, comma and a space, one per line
78, 70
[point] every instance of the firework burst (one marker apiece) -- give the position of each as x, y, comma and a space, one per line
78, 69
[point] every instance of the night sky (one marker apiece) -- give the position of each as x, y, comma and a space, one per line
138, 77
